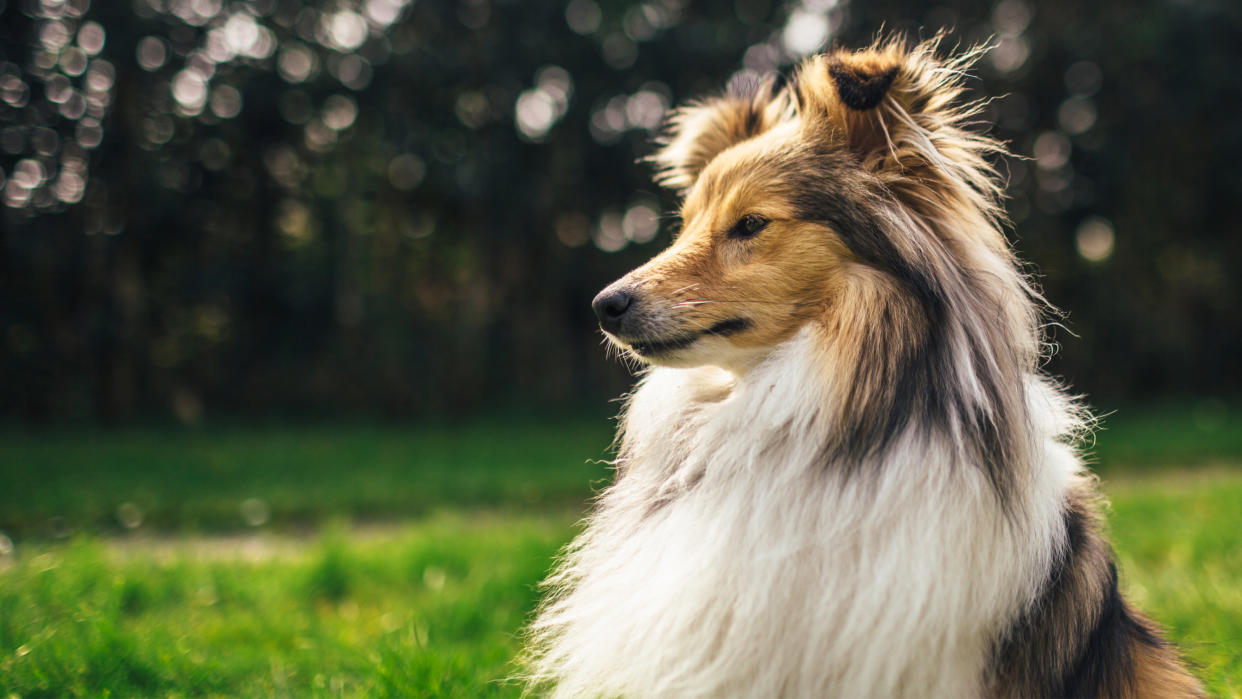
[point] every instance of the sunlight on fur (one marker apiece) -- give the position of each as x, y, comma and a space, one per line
842, 474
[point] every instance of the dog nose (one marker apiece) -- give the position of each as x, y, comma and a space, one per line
610, 307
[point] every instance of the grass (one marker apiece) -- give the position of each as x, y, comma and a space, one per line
403, 562
1178, 537
1168, 436
429, 609
188, 481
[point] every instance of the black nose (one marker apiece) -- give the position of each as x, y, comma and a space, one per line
610, 307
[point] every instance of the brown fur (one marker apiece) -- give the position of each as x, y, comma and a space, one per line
1159, 673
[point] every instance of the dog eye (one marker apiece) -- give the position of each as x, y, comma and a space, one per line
748, 226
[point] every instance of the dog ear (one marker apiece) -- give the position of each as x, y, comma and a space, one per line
897, 107
861, 79
698, 132
842, 95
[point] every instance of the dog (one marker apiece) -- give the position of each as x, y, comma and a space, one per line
843, 473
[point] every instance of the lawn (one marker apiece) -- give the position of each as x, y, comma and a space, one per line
196, 481
402, 562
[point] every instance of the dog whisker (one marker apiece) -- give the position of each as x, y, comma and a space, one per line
701, 302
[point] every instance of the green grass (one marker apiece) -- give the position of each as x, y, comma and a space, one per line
403, 562
1178, 537
60, 482
1174, 435
431, 609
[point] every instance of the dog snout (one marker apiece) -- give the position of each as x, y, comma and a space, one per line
611, 307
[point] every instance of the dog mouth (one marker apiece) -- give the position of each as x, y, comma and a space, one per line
647, 347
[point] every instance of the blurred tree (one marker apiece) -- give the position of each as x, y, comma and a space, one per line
405, 207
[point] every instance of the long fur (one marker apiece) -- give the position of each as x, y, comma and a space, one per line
864, 487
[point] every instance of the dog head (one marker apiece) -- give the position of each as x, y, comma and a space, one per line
856, 181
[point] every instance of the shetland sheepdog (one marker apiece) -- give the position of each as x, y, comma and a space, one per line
843, 473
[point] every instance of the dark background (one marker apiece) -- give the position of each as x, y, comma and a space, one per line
217, 209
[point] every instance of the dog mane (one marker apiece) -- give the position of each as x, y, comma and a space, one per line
958, 319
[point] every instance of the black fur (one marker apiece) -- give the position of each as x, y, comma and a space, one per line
724, 328
1106, 666
919, 384
650, 348
859, 90
1073, 643
732, 326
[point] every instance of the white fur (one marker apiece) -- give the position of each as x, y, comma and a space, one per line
768, 572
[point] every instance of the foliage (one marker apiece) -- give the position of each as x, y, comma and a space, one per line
330, 206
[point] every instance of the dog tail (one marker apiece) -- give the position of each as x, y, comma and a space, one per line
1158, 671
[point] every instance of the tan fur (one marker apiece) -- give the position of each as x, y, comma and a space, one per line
782, 278
703, 130
1160, 674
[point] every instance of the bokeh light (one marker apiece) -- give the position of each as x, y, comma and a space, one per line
91, 37
347, 29
540, 107
805, 33
641, 221
226, 101
128, 514
1076, 115
406, 171
339, 112
255, 512
609, 233
385, 12
583, 16
1095, 239
190, 90
1052, 150
152, 53
297, 63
